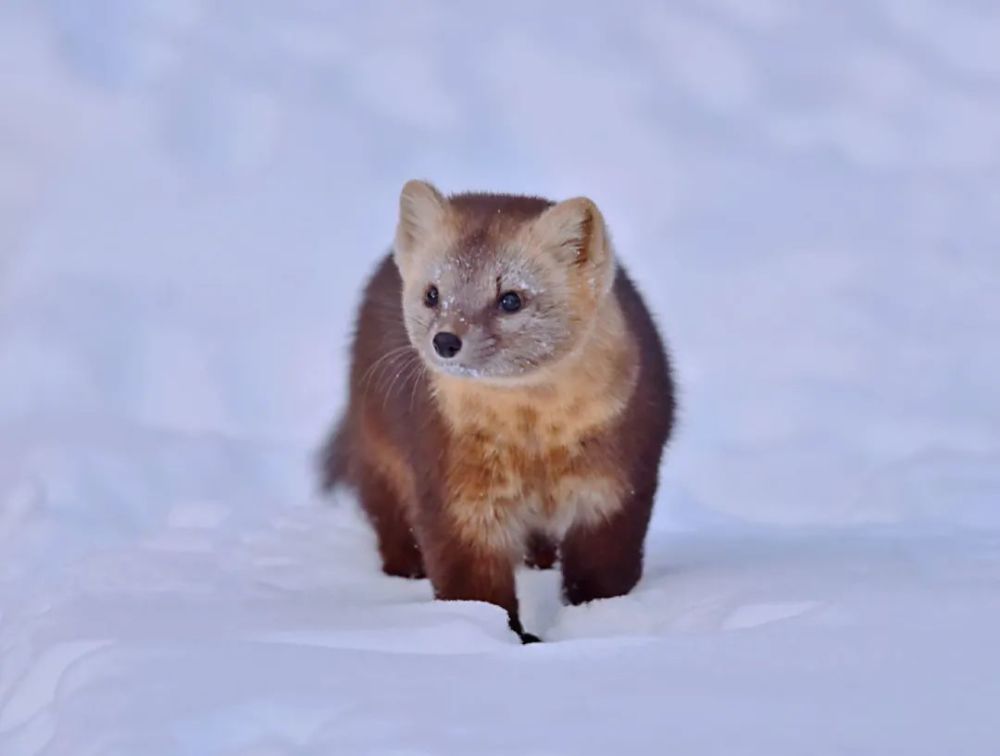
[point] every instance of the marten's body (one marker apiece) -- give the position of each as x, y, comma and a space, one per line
480, 433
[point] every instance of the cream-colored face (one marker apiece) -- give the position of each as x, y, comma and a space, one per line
495, 315
498, 304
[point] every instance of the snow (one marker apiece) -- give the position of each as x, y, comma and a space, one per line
191, 194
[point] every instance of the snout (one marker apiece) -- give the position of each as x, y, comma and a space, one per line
461, 349
447, 344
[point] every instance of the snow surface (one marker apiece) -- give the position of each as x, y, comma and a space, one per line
191, 193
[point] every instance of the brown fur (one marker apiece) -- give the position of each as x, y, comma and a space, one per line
554, 447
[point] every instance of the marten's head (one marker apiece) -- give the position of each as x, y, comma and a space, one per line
499, 287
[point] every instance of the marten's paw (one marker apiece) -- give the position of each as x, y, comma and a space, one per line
514, 623
408, 571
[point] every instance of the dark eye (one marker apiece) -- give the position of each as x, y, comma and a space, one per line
431, 296
510, 302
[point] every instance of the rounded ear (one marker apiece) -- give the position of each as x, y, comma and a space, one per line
573, 232
422, 211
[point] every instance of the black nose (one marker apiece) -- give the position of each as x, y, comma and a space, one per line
447, 344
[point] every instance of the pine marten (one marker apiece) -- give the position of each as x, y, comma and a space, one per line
510, 398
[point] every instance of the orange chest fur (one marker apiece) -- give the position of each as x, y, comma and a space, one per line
524, 453
544, 449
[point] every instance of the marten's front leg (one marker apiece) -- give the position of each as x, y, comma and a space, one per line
470, 557
604, 559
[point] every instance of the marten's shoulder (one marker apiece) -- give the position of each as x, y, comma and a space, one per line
379, 325
389, 399
651, 411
